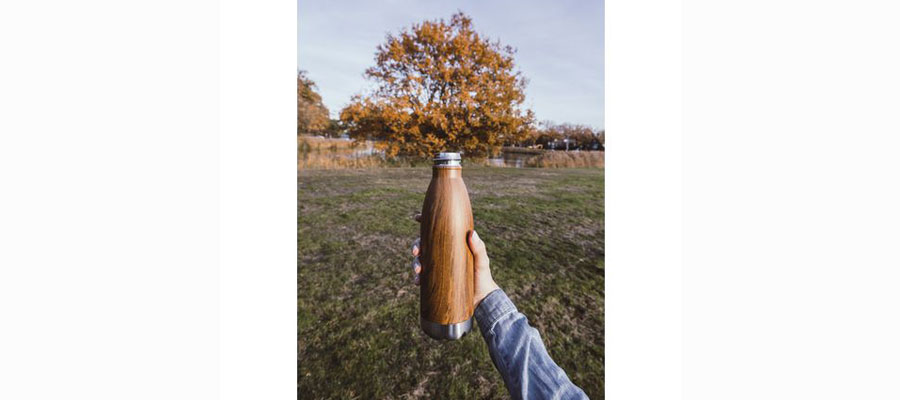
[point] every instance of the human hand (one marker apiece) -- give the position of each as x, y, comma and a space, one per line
484, 282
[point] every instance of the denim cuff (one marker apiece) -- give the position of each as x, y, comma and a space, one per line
494, 306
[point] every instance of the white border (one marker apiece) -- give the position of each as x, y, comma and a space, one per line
791, 200
643, 199
147, 200
258, 200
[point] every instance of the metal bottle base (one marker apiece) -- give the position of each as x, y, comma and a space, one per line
451, 332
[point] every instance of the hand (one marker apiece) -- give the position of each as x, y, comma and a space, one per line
484, 282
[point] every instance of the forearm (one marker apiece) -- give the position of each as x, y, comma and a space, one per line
518, 352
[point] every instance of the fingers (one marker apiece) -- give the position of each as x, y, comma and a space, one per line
416, 265
417, 268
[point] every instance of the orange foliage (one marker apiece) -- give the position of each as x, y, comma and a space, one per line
312, 115
441, 87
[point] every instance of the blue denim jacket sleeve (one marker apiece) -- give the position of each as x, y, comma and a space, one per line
518, 352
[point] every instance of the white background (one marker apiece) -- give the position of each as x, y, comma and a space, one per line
148, 217
148, 200
791, 200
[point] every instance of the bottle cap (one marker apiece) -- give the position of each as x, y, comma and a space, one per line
447, 160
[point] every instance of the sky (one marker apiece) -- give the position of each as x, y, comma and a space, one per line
559, 47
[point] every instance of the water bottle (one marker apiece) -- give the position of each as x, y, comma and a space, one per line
447, 278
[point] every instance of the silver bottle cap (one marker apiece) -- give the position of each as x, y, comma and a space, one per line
447, 160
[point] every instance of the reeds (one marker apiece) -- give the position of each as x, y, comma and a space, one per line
567, 159
325, 153
521, 150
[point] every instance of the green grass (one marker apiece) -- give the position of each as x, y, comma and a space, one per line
359, 334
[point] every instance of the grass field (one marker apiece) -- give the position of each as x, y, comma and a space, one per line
359, 335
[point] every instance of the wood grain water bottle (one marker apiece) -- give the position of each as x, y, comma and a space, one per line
447, 278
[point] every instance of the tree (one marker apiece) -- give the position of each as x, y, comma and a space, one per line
441, 87
334, 129
581, 137
312, 115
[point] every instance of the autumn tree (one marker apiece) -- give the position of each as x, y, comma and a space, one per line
312, 115
441, 87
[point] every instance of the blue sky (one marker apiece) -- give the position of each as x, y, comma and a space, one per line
559, 43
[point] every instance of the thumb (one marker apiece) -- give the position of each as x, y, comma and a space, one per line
477, 247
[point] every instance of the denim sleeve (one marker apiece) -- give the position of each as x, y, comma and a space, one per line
518, 352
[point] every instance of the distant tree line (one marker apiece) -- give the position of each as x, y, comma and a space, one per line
550, 135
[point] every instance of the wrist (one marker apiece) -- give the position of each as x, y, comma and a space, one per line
482, 294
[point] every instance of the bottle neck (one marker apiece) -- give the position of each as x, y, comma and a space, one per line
446, 172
